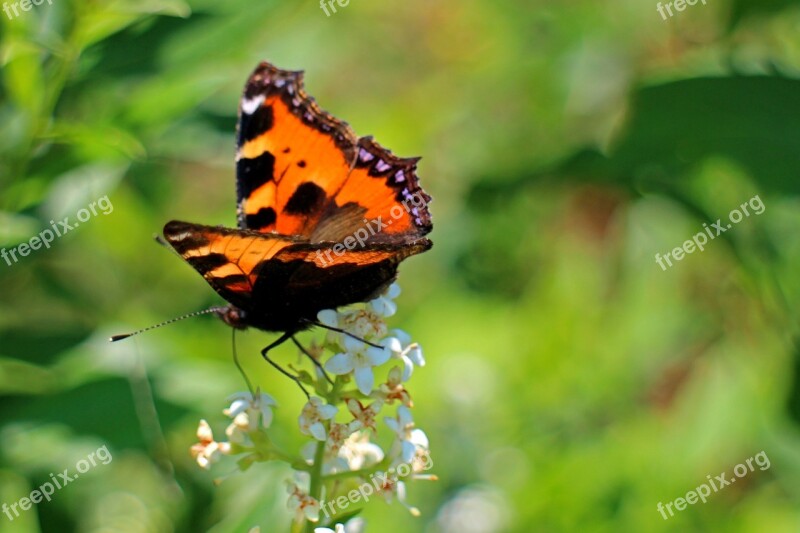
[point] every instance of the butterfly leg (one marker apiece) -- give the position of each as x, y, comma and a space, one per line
313, 360
339, 330
283, 338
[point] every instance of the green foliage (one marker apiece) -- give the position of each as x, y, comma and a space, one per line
571, 383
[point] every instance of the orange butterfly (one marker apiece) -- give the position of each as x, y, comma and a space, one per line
325, 217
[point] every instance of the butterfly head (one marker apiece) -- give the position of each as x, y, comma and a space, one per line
233, 316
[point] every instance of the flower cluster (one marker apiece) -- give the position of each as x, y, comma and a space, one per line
249, 412
341, 418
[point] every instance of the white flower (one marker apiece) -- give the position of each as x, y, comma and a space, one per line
238, 431
364, 324
258, 408
333, 464
422, 461
314, 413
409, 438
329, 317
337, 436
339, 529
356, 525
393, 389
390, 487
359, 452
207, 451
364, 416
384, 305
358, 358
403, 349
304, 506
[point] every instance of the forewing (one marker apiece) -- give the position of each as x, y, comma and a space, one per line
301, 171
228, 259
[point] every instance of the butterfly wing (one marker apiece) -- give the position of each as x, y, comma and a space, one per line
301, 171
280, 280
227, 259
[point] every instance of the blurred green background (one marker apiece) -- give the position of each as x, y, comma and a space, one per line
571, 384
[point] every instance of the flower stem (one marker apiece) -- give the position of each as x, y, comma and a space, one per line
364, 472
315, 490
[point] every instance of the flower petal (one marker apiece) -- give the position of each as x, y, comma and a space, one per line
317, 431
365, 379
392, 423
393, 344
393, 291
378, 356
419, 438
239, 396
329, 317
383, 307
266, 416
312, 511
327, 412
266, 399
341, 363
204, 433
409, 451
415, 354
237, 407
404, 416
404, 337
353, 345
408, 368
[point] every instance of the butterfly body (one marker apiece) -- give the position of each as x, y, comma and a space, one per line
325, 217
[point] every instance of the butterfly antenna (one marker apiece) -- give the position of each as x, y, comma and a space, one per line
116, 338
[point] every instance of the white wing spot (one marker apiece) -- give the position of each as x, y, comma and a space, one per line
249, 106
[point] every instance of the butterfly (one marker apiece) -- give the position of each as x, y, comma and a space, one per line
324, 216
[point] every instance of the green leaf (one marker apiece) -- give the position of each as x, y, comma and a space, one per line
16, 228
98, 140
22, 73
98, 24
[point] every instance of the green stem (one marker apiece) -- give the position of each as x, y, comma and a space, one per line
364, 472
316, 479
296, 464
